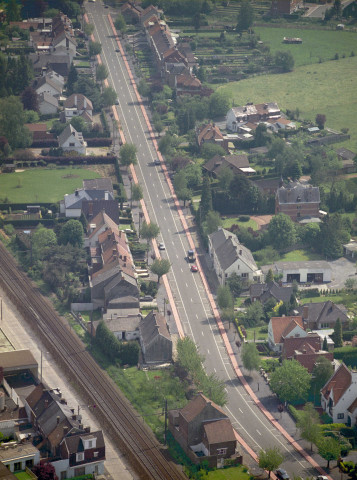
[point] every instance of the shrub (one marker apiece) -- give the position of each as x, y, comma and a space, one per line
244, 218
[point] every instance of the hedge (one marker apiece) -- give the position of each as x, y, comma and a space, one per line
49, 143
99, 142
348, 355
347, 336
46, 222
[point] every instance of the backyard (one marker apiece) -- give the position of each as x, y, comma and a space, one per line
47, 185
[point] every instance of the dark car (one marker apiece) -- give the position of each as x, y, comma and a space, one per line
281, 473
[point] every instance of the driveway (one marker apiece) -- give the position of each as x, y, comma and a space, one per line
342, 269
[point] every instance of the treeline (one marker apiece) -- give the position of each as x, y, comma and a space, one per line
126, 353
16, 74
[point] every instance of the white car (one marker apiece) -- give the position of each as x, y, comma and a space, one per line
161, 246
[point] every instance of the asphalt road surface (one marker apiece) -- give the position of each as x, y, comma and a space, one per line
188, 291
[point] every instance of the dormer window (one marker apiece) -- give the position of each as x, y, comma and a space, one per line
79, 457
89, 443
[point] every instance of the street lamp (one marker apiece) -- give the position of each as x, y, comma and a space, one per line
141, 214
131, 191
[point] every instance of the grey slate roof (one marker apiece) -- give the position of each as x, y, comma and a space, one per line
265, 291
38, 82
74, 200
48, 98
74, 443
151, 326
91, 208
128, 323
324, 312
295, 192
345, 154
228, 250
98, 184
234, 162
68, 132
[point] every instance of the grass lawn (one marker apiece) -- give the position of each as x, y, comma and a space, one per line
23, 476
333, 298
313, 89
228, 222
258, 334
300, 256
233, 473
317, 44
42, 184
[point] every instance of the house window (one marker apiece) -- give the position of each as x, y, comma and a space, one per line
95, 454
71, 144
340, 415
244, 275
63, 475
226, 275
78, 472
17, 466
89, 444
29, 463
221, 451
80, 457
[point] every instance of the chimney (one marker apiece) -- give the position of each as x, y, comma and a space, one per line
106, 196
74, 417
240, 252
75, 100
76, 193
124, 258
46, 403
305, 312
87, 429
65, 431
85, 103
58, 420
90, 208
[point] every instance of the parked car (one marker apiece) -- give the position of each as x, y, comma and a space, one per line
161, 246
157, 161
146, 298
281, 473
194, 268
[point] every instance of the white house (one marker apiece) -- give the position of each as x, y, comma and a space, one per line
237, 116
18, 456
47, 85
64, 40
78, 105
339, 396
47, 104
71, 140
230, 256
280, 328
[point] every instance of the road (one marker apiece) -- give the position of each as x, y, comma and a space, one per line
188, 290
318, 11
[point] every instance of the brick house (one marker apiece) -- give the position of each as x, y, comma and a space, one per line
298, 201
155, 339
306, 350
280, 328
203, 430
339, 396
238, 164
284, 7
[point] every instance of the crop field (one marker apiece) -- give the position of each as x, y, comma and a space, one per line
329, 88
42, 184
318, 45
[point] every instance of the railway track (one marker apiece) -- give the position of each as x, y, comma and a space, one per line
147, 456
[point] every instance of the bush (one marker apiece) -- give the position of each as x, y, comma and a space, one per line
244, 218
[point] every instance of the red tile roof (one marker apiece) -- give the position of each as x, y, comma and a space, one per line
338, 383
291, 344
219, 431
353, 406
282, 326
310, 358
196, 405
209, 132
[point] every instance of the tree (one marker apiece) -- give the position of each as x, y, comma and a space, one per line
329, 449
254, 314
322, 371
277, 147
160, 267
88, 29
206, 199
209, 150
225, 178
270, 459
291, 381
149, 231
212, 222
250, 357
337, 334
42, 238
12, 123
218, 104
128, 154
260, 135
324, 345
282, 231
79, 124
109, 97
308, 424
95, 48
284, 61
101, 73
136, 192
72, 77
29, 99
120, 23
320, 120
224, 297
196, 21
270, 276
72, 233
144, 88
13, 11
235, 284
245, 16
45, 471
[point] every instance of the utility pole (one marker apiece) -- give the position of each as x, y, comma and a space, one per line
165, 433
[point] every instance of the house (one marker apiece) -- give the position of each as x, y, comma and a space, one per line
314, 271
70, 140
238, 164
47, 85
131, 12
347, 159
306, 350
229, 256
298, 201
47, 104
78, 105
51, 61
18, 456
285, 7
237, 116
123, 327
203, 430
339, 396
210, 133
65, 41
280, 328
40, 134
103, 183
155, 339
96, 190
91, 208
265, 291
81, 454
350, 249
100, 224
317, 316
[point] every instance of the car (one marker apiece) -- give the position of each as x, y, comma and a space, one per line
117, 101
194, 268
146, 298
321, 477
106, 6
117, 50
281, 473
157, 162
161, 246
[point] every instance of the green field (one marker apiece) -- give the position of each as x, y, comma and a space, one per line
228, 222
233, 473
300, 256
318, 45
329, 88
42, 184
